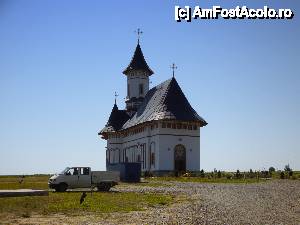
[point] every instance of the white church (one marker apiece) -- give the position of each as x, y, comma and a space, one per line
159, 128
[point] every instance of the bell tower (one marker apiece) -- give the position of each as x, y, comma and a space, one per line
138, 73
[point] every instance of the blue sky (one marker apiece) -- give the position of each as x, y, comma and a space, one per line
62, 61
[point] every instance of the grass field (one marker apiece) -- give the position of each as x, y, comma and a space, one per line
32, 182
68, 202
98, 202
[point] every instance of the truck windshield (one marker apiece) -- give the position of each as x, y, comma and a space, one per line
64, 171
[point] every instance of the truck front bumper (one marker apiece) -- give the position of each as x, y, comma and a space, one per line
52, 186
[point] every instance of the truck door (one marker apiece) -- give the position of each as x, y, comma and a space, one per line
72, 177
84, 177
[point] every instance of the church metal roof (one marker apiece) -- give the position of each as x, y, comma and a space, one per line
116, 120
166, 101
138, 62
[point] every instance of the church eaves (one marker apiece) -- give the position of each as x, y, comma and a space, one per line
138, 62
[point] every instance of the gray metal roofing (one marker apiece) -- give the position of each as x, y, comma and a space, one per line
138, 62
116, 120
165, 101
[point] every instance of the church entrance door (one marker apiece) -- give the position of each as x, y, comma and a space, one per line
179, 158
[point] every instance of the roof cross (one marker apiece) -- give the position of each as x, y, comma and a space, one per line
139, 33
173, 67
116, 95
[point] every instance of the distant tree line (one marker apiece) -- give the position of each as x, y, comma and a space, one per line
286, 173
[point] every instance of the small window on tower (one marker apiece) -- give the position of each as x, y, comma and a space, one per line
141, 89
128, 92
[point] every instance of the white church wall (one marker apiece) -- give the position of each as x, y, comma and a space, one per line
136, 146
159, 141
169, 138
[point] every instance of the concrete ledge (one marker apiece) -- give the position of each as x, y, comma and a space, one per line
23, 192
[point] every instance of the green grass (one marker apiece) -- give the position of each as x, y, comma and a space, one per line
32, 182
68, 203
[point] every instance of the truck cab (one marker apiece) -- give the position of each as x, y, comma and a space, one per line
82, 177
71, 177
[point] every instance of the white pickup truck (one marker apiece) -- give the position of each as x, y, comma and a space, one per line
83, 177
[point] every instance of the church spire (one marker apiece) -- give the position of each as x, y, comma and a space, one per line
138, 62
138, 73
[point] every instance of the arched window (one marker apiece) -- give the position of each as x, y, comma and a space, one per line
152, 154
153, 159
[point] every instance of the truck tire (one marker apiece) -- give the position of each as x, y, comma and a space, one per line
103, 186
62, 187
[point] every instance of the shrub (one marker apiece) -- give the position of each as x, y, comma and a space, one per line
265, 174
251, 174
238, 174
282, 175
287, 168
202, 173
271, 169
229, 176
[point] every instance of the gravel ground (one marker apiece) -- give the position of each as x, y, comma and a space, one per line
266, 203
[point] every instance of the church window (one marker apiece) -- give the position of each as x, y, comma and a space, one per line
168, 125
139, 158
152, 154
128, 91
124, 155
141, 88
152, 160
173, 126
163, 125
194, 127
143, 152
190, 127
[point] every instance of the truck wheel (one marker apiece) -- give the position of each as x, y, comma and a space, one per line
62, 187
103, 187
